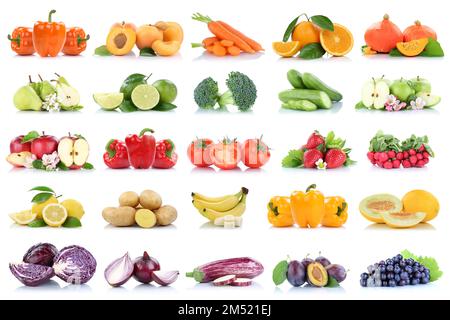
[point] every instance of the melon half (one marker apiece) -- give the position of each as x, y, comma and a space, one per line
403, 219
374, 206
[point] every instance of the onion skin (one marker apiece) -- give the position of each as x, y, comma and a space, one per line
144, 267
42, 254
127, 272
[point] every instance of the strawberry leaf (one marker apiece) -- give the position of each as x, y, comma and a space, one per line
294, 159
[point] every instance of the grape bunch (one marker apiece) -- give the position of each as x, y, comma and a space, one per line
394, 272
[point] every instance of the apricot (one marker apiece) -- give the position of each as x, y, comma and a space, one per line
121, 38
172, 31
146, 35
166, 48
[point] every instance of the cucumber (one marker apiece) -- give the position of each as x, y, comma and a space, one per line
319, 98
312, 82
302, 105
295, 79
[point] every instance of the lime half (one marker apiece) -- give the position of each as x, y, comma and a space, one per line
108, 101
145, 96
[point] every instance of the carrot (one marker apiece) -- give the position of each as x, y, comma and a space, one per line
222, 33
234, 51
226, 43
253, 44
209, 41
218, 50
210, 48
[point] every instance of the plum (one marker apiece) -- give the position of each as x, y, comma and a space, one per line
337, 271
323, 261
296, 273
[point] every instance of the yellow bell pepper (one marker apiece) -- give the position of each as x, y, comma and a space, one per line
336, 212
279, 214
308, 208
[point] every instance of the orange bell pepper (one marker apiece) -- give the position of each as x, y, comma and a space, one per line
336, 212
279, 214
49, 37
308, 208
75, 41
22, 41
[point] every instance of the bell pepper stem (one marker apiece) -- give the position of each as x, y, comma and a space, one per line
146, 130
17, 40
80, 39
111, 152
313, 186
50, 15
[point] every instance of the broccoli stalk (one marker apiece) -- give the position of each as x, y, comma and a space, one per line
206, 94
241, 92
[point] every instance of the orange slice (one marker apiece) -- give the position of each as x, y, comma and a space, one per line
286, 49
338, 42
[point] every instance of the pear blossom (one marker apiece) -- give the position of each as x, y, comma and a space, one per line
51, 103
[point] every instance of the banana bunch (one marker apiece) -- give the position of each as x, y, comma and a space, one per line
213, 208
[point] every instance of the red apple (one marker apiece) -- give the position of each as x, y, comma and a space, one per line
44, 145
73, 151
16, 145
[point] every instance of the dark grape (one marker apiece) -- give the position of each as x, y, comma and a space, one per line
399, 257
389, 268
397, 269
409, 262
392, 283
413, 282
408, 269
383, 276
424, 280
421, 268
416, 264
402, 283
404, 275
363, 282
397, 277
364, 276
417, 275
415, 269
390, 275
402, 263
382, 263
384, 283
389, 262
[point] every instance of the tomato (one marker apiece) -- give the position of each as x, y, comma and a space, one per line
226, 154
199, 152
255, 153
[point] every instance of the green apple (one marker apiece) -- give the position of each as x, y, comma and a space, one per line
167, 90
430, 100
420, 84
27, 99
374, 93
401, 89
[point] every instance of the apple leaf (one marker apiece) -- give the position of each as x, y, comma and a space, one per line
61, 166
41, 197
37, 164
88, 166
30, 136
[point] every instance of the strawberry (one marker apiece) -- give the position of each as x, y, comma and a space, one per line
165, 156
310, 158
314, 140
335, 158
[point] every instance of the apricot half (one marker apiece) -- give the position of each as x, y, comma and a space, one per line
146, 35
166, 48
172, 31
121, 39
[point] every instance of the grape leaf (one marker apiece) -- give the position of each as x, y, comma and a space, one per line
428, 262
279, 273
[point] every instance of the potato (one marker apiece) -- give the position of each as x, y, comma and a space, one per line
145, 218
166, 215
129, 199
119, 217
150, 200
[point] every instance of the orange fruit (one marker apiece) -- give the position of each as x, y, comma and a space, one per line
286, 49
305, 33
338, 42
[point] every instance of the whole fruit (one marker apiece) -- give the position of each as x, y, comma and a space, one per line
131, 82
421, 201
296, 273
44, 145
305, 33
16, 145
144, 267
420, 85
383, 36
146, 35
167, 90
37, 208
74, 208
401, 89
418, 31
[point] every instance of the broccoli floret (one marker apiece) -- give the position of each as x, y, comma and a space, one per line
241, 92
206, 94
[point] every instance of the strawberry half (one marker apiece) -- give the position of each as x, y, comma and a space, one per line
311, 157
314, 140
335, 158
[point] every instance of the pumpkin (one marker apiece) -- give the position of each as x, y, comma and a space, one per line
418, 31
383, 36
412, 48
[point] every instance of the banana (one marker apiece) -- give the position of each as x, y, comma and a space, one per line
198, 196
237, 211
227, 204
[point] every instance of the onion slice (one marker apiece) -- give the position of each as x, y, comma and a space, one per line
119, 271
165, 278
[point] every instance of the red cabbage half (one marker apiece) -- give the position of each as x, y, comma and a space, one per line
75, 265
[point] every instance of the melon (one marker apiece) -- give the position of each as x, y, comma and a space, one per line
374, 206
403, 219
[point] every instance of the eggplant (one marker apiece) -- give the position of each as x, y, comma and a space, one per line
240, 267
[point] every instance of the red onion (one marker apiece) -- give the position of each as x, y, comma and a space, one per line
119, 271
165, 278
144, 267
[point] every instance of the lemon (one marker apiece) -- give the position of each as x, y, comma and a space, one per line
38, 207
74, 208
23, 217
54, 214
145, 96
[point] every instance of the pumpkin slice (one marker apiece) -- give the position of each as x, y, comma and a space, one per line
338, 42
403, 219
412, 48
286, 49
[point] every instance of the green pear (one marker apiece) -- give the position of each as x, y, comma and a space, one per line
26, 98
67, 96
46, 89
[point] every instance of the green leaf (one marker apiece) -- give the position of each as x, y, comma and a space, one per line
432, 49
294, 159
323, 22
42, 188
428, 262
360, 105
128, 106
312, 51
147, 52
72, 222
164, 106
41, 197
332, 283
37, 223
88, 166
30, 136
395, 53
290, 29
61, 166
37, 164
279, 273
102, 51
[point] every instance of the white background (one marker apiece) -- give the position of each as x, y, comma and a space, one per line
188, 243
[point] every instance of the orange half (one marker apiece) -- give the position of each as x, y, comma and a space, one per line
338, 42
286, 49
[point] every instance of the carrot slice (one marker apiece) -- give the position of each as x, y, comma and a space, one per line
218, 50
209, 41
234, 51
252, 43
226, 43
210, 48
223, 34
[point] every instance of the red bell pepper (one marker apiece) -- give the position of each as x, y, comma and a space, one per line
141, 149
22, 41
76, 40
166, 157
49, 37
116, 155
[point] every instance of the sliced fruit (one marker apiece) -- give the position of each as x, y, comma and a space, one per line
421, 201
338, 42
23, 217
412, 48
374, 93
74, 208
286, 49
225, 280
366, 50
121, 39
317, 275
145, 96
39, 207
403, 219
54, 215
20, 159
108, 101
430, 99
242, 282
373, 206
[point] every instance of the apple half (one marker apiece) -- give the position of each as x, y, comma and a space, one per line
73, 152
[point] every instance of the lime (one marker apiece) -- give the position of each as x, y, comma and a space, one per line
131, 82
108, 101
23, 217
145, 96
54, 214
167, 90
